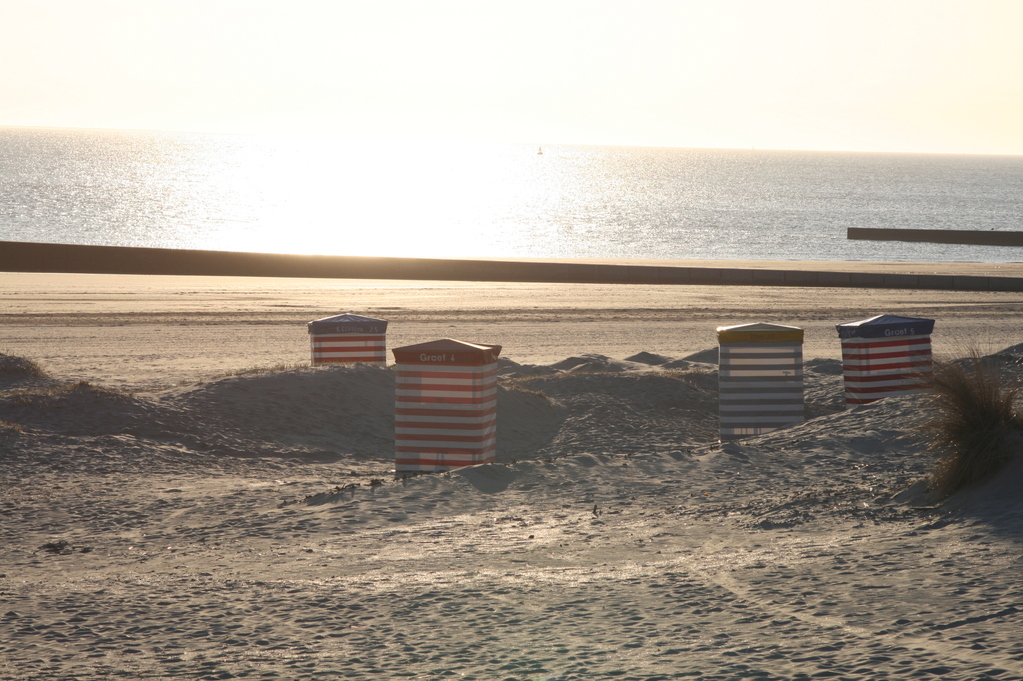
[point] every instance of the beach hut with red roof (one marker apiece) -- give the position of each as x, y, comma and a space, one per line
445, 405
885, 355
348, 339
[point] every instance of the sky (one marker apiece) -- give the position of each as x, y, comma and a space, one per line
942, 76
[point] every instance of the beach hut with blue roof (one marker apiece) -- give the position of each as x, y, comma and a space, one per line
885, 355
348, 339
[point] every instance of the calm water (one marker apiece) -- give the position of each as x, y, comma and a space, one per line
305, 195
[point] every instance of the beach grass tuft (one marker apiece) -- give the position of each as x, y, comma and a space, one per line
45, 396
8, 428
19, 367
519, 384
974, 424
263, 369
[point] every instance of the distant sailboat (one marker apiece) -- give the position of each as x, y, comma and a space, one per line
540, 152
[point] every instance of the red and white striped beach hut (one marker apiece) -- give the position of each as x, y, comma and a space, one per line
445, 405
760, 379
348, 339
885, 355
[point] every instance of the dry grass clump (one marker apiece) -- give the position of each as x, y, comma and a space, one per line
7, 428
520, 385
19, 367
975, 422
698, 378
44, 396
262, 369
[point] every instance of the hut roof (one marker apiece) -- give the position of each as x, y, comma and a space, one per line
347, 323
885, 325
759, 332
447, 351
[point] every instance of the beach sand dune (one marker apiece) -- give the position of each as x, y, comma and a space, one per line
248, 526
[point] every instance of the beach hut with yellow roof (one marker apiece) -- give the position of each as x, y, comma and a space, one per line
760, 378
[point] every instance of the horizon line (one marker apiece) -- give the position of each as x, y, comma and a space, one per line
407, 138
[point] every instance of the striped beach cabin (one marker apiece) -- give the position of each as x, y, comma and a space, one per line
445, 405
885, 355
348, 339
760, 379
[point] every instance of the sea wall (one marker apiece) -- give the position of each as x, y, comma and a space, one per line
16, 256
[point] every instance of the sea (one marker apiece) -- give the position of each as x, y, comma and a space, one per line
342, 196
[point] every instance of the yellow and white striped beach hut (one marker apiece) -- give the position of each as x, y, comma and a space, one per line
445, 405
760, 378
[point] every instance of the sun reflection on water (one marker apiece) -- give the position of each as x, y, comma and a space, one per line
381, 198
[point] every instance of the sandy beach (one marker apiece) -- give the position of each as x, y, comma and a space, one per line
139, 332
182, 496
